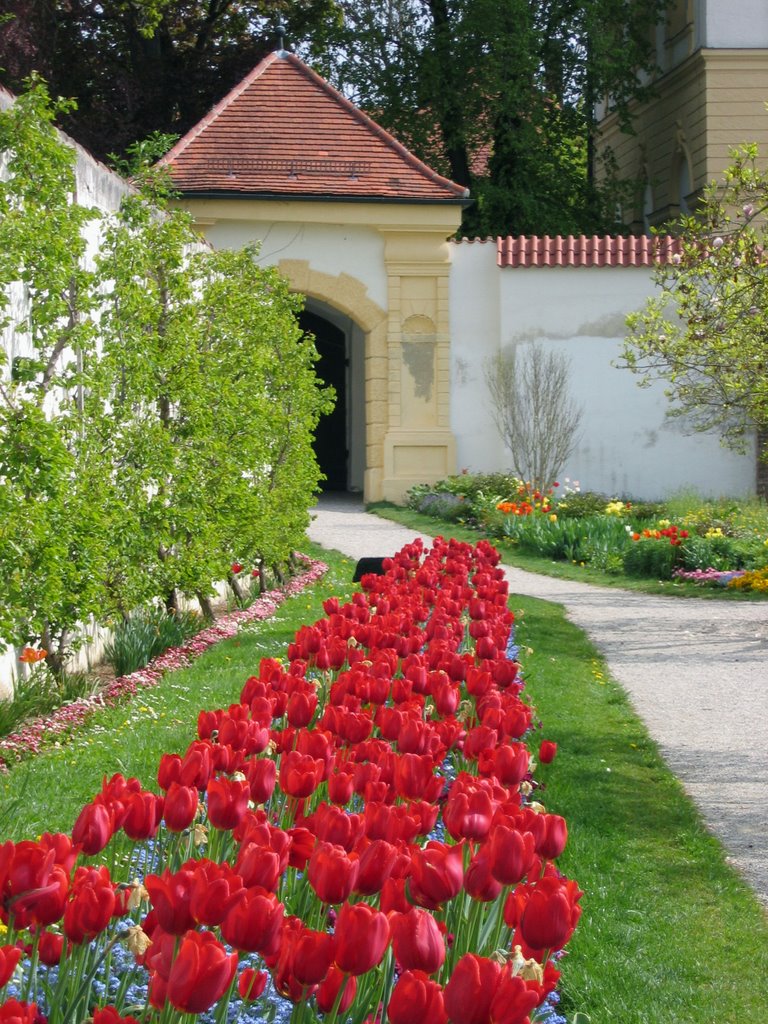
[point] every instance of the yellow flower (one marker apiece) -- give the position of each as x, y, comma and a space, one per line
553, 518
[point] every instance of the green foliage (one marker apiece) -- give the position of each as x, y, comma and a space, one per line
49, 556
500, 96
145, 634
704, 333
580, 504
649, 557
145, 464
576, 529
142, 66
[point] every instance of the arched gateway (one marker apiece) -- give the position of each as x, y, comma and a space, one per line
359, 226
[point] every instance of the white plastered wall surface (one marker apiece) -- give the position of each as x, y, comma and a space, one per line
628, 445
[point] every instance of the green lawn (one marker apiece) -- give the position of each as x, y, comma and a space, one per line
669, 935
131, 738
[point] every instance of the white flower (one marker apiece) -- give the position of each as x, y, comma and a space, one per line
717, 243
748, 209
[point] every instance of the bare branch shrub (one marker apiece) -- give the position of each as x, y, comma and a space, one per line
534, 415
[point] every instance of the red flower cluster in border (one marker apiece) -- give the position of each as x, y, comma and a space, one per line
317, 824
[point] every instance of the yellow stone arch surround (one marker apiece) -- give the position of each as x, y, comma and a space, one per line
407, 360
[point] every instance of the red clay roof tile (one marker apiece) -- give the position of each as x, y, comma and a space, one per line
584, 251
284, 131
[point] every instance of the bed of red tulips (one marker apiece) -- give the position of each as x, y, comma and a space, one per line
357, 837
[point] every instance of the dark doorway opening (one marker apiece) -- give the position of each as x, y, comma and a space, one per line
331, 446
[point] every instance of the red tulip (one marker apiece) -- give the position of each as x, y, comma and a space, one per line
227, 802
547, 751
196, 766
50, 947
312, 956
109, 1015
328, 992
301, 708
253, 924
468, 812
470, 990
91, 905
33, 887
513, 1000
215, 890
511, 854
260, 865
417, 941
14, 1012
180, 807
250, 984
94, 828
331, 873
168, 770
333, 825
9, 958
300, 774
437, 873
171, 894
340, 786
552, 843
478, 878
144, 812
201, 973
361, 937
262, 775
415, 778
377, 861
416, 999
551, 913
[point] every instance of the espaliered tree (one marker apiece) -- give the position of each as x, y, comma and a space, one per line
705, 333
204, 394
157, 401
51, 558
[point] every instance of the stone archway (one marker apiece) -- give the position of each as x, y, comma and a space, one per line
350, 297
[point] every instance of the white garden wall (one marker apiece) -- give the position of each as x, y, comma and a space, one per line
628, 445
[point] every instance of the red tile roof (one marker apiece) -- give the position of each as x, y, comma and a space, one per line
584, 251
284, 131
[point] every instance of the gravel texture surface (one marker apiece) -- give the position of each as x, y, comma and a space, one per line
696, 672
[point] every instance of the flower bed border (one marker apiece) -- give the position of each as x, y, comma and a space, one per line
37, 733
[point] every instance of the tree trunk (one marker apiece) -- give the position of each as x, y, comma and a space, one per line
761, 469
205, 606
239, 590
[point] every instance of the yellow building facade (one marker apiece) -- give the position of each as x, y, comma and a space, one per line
710, 90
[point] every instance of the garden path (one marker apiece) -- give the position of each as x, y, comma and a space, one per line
696, 672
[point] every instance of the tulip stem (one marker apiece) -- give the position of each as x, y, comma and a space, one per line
337, 1002
30, 994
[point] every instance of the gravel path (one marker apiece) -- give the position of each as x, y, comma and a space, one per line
696, 672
